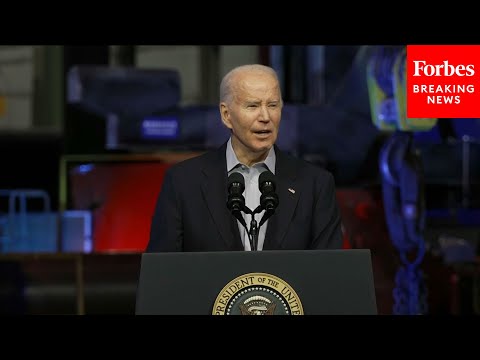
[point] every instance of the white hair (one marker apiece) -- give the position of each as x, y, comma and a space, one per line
226, 86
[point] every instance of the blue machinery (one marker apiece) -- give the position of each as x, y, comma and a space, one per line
401, 175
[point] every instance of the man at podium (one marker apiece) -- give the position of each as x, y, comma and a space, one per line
248, 194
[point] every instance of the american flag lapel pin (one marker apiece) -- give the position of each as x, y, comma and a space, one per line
291, 190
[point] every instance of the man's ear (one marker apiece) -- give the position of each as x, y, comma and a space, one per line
225, 114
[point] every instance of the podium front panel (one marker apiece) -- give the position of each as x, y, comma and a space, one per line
336, 282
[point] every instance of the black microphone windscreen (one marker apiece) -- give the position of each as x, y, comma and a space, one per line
266, 176
236, 177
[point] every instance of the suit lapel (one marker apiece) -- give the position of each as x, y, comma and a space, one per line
215, 178
285, 174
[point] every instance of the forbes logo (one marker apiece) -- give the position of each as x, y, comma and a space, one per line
421, 68
441, 81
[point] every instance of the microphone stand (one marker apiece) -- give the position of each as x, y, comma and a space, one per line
254, 229
253, 232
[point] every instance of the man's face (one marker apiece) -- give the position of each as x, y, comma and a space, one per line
254, 113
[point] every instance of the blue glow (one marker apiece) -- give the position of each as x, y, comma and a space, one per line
85, 168
160, 128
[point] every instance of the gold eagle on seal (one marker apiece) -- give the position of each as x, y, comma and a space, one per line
257, 305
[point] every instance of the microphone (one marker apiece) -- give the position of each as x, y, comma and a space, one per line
269, 198
236, 201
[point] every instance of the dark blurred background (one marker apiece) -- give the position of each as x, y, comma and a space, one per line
86, 133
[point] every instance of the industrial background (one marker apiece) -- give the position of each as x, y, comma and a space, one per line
86, 133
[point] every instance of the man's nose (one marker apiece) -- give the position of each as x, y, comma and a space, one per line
264, 114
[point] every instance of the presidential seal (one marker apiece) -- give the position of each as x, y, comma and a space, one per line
257, 294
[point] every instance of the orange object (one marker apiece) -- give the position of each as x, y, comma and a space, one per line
3, 105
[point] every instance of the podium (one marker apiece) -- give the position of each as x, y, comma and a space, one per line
274, 282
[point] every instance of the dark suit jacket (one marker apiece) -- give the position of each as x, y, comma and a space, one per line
191, 212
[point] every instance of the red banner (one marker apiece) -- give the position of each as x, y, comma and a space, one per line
442, 81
